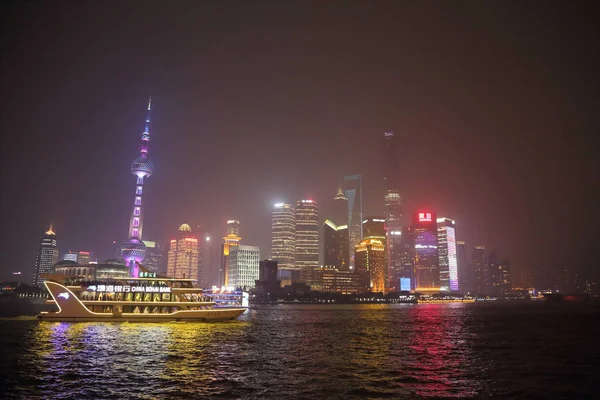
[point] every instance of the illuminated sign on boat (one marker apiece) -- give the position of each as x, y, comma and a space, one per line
128, 288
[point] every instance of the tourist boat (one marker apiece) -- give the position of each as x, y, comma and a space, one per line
133, 299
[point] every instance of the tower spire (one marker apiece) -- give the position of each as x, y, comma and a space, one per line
146, 133
50, 231
142, 167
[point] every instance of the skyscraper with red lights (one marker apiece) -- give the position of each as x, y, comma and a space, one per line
427, 268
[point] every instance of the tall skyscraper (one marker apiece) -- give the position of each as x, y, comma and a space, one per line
230, 242
243, 266
427, 269
155, 257
283, 243
480, 270
392, 201
375, 228
465, 270
339, 214
446, 234
307, 234
134, 250
403, 271
183, 259
499, 276
371, 265
335, 243
46, 257
353, 192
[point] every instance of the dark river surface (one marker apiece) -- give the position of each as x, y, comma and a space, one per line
521, 350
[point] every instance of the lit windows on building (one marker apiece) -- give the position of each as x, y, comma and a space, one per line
426, 259
183, 259
371, 264
46, 257
244, 266
447, 254
307, 234
283, 239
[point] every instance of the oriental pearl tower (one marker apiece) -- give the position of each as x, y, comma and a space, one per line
133, 251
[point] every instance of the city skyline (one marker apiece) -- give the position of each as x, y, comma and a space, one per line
490, 151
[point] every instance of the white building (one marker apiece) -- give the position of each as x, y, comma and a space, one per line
243, 266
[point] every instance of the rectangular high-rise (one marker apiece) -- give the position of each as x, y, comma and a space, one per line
335, 243
283, 239
307, 234
370, 264
446, 234
427, 269
84, 257
243, 266
230, 242
480, 270
392, 201
465, 270
155, 261
353, 193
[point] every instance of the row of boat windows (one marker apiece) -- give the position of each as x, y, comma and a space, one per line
143, 310
92, 296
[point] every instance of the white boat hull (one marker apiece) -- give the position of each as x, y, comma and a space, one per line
72, 309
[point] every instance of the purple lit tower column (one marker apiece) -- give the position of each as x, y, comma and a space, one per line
134, 250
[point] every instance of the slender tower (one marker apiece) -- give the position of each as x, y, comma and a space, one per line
133, 251
393, 212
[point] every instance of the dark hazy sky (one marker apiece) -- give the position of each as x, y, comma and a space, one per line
496, 104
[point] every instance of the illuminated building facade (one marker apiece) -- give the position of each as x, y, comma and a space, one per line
353, 192
70, 256
480, 270
375, 228
392, 201
133, 250
283, 240
426, 261
46, 257
332, 280
335, 243
154, 257
307, 234
371, 266
84, 257
447, 253
230, 242
183, 260
243, 266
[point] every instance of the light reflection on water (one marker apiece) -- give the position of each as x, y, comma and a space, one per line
353, 351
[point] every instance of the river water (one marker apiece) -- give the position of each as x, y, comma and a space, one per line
505, 350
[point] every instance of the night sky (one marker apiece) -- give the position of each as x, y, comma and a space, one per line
496, 105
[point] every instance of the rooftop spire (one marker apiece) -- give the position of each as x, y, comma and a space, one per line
50, 231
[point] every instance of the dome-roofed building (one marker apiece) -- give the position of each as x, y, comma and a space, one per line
183, 259
185, 228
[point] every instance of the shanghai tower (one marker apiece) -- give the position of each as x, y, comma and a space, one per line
393, 209
133, 251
